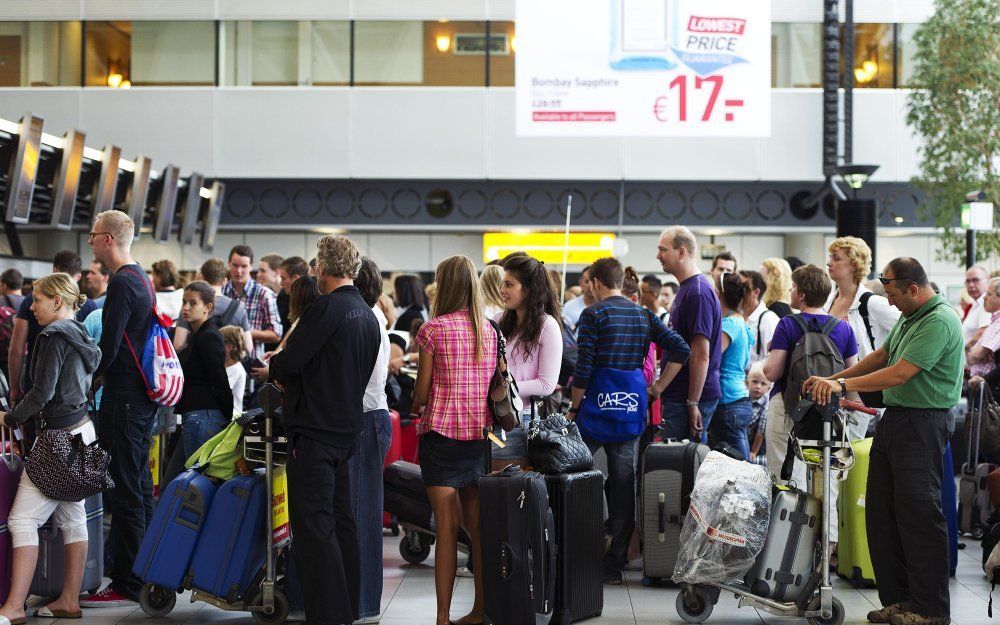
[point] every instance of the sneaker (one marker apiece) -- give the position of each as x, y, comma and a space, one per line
886, 613
462, 571
107, 598
613, 577
912, 618
368, 620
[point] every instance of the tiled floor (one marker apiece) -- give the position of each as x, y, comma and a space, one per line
408, 598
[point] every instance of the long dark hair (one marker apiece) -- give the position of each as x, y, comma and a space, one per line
539, 300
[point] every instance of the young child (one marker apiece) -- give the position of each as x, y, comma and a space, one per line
760, 389
235, 353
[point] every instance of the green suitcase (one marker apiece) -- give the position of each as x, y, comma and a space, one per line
854, 562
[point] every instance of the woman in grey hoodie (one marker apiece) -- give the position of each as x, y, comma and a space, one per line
62, 364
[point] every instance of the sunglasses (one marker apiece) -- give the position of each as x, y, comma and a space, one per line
885, 281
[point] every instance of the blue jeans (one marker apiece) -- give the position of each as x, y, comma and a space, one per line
675, 419
731, 422
197, 426
621, 507
365, 468
123, 425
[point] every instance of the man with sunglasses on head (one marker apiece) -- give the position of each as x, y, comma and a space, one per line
919, 366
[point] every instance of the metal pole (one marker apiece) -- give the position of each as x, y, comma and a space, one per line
569, 215
849, 81
970, 248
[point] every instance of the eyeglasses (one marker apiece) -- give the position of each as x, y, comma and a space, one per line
98, 234
885, 281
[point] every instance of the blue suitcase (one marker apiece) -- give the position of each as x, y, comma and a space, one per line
231, 550
169, 543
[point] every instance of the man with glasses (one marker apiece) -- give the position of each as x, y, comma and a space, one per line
126, 413
976, 279
920, 369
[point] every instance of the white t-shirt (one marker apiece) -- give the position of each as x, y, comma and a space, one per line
977, 318
237, 382
375, 398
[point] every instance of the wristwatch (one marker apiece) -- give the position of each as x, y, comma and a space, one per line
843, 384
692, 404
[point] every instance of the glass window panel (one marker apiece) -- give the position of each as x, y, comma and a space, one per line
331, 53
39, 54
906, 52
441, 53
872, 65
275, 53
796, 54
123, 54
502, 54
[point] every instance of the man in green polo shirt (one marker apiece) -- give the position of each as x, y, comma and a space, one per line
919, 368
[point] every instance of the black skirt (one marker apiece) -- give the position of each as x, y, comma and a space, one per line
448, 462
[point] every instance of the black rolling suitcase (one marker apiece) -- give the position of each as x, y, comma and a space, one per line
519, 548
405, 497
575, 499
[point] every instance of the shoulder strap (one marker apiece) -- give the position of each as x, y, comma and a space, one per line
801, 321
6, 298
152, 294
863, 311
830, 324
230, 312
759, 347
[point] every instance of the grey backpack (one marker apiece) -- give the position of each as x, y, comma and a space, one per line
814, 354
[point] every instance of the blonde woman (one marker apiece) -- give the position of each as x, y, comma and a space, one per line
62, 365
458, 356
778, 276
489, 283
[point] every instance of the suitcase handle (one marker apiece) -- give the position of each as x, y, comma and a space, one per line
661, 517
974, 428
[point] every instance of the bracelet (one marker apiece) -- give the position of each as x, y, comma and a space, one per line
692, 404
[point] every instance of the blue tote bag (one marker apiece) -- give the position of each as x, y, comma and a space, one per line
614, 407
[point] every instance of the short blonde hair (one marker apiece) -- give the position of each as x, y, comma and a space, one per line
119, 225
858, 254
232, 336
757, 368
778, 276
337, 256
489, 282
60, 285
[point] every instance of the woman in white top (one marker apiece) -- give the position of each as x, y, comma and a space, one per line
365, 466
869, 315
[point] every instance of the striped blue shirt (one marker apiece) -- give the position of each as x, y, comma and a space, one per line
615, 334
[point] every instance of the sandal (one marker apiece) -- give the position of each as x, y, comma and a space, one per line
45, 612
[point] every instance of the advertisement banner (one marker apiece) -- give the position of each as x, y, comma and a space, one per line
281, 527
643, 68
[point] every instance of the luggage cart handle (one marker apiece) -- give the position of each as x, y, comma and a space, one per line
857, 407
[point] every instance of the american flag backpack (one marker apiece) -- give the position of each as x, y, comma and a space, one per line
160, 368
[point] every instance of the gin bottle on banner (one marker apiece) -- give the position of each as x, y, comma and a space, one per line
642, 32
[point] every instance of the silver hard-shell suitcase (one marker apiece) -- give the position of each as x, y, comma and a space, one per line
787, 562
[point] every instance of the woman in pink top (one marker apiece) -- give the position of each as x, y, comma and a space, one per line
458, 356
534, 342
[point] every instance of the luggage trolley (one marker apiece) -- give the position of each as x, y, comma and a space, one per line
817, 603
268, 605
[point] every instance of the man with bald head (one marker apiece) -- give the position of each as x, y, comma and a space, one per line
976, 280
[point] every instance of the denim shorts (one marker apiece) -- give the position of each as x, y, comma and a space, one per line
448, 462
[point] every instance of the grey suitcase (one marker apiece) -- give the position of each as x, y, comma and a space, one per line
974, 505
786, 565
667, 477
48, 580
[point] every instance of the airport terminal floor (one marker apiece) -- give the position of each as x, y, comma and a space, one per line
408, 599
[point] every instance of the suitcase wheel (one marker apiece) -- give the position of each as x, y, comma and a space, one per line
837, 618
978, 533
649, 582
694, 606
156, 601
278, 614
414, 547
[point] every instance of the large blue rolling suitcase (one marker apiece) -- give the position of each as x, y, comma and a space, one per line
170, 539
231, 550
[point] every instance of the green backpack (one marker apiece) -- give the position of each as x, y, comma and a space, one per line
218, 456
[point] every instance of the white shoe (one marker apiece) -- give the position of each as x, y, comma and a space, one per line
368, 620
463, 571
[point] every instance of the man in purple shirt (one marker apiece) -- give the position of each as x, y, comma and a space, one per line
690, 400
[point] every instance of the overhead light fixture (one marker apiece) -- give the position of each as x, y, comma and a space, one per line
856, 176
867, 72
126, 84
897, 218
443, 43
115, 80
513, 43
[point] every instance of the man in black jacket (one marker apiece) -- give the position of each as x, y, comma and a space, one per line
324, 370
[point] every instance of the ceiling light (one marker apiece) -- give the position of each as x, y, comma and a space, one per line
856, 175
115, 80
443, 43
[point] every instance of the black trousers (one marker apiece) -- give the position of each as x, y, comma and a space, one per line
326, 534
907, 532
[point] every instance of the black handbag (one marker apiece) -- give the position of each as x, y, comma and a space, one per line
65, 469
555, 446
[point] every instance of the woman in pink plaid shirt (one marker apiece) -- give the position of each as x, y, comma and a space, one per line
458, 356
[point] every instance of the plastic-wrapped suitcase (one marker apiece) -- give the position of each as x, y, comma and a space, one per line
574, 498
974, 507
667, 477
785, 565
519, 548
49, 578
231, 550
170, 539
